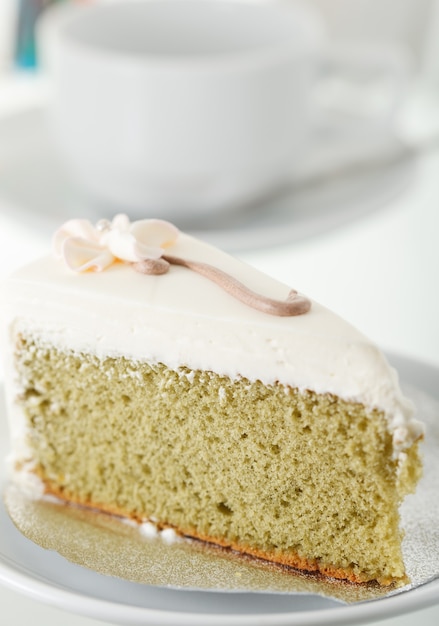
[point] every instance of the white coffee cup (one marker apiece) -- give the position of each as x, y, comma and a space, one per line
172, 106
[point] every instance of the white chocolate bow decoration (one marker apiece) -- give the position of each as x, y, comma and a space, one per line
85, 247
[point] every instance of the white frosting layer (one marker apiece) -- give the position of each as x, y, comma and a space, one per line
181, 318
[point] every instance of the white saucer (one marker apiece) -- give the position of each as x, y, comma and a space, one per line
347, 174
47, 577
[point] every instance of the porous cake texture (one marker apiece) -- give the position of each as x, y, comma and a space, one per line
182, 427
302, 479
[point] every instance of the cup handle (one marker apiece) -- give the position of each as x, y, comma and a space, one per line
359, 89
363, 81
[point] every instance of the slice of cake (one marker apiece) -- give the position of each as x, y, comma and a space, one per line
153, 376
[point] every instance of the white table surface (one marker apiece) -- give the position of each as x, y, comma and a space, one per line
381, 272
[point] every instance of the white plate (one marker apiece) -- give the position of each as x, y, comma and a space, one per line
347, 173
47, 577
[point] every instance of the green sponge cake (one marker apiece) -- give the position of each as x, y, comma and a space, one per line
152, 376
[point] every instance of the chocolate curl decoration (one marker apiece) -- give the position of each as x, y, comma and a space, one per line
293, 305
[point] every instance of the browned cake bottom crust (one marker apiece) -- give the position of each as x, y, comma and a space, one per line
290, 559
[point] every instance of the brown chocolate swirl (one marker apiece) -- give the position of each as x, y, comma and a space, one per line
294, 304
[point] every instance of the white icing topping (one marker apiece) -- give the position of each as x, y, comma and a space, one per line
181, 318
26, 480
222, 395
169, 536
148, 529
85, 247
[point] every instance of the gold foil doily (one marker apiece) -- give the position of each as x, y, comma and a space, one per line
112, 547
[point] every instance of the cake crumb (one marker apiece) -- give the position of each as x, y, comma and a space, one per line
190, 376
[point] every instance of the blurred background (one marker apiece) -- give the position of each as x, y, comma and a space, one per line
407, 23
374, 107
356, 220
354, 225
